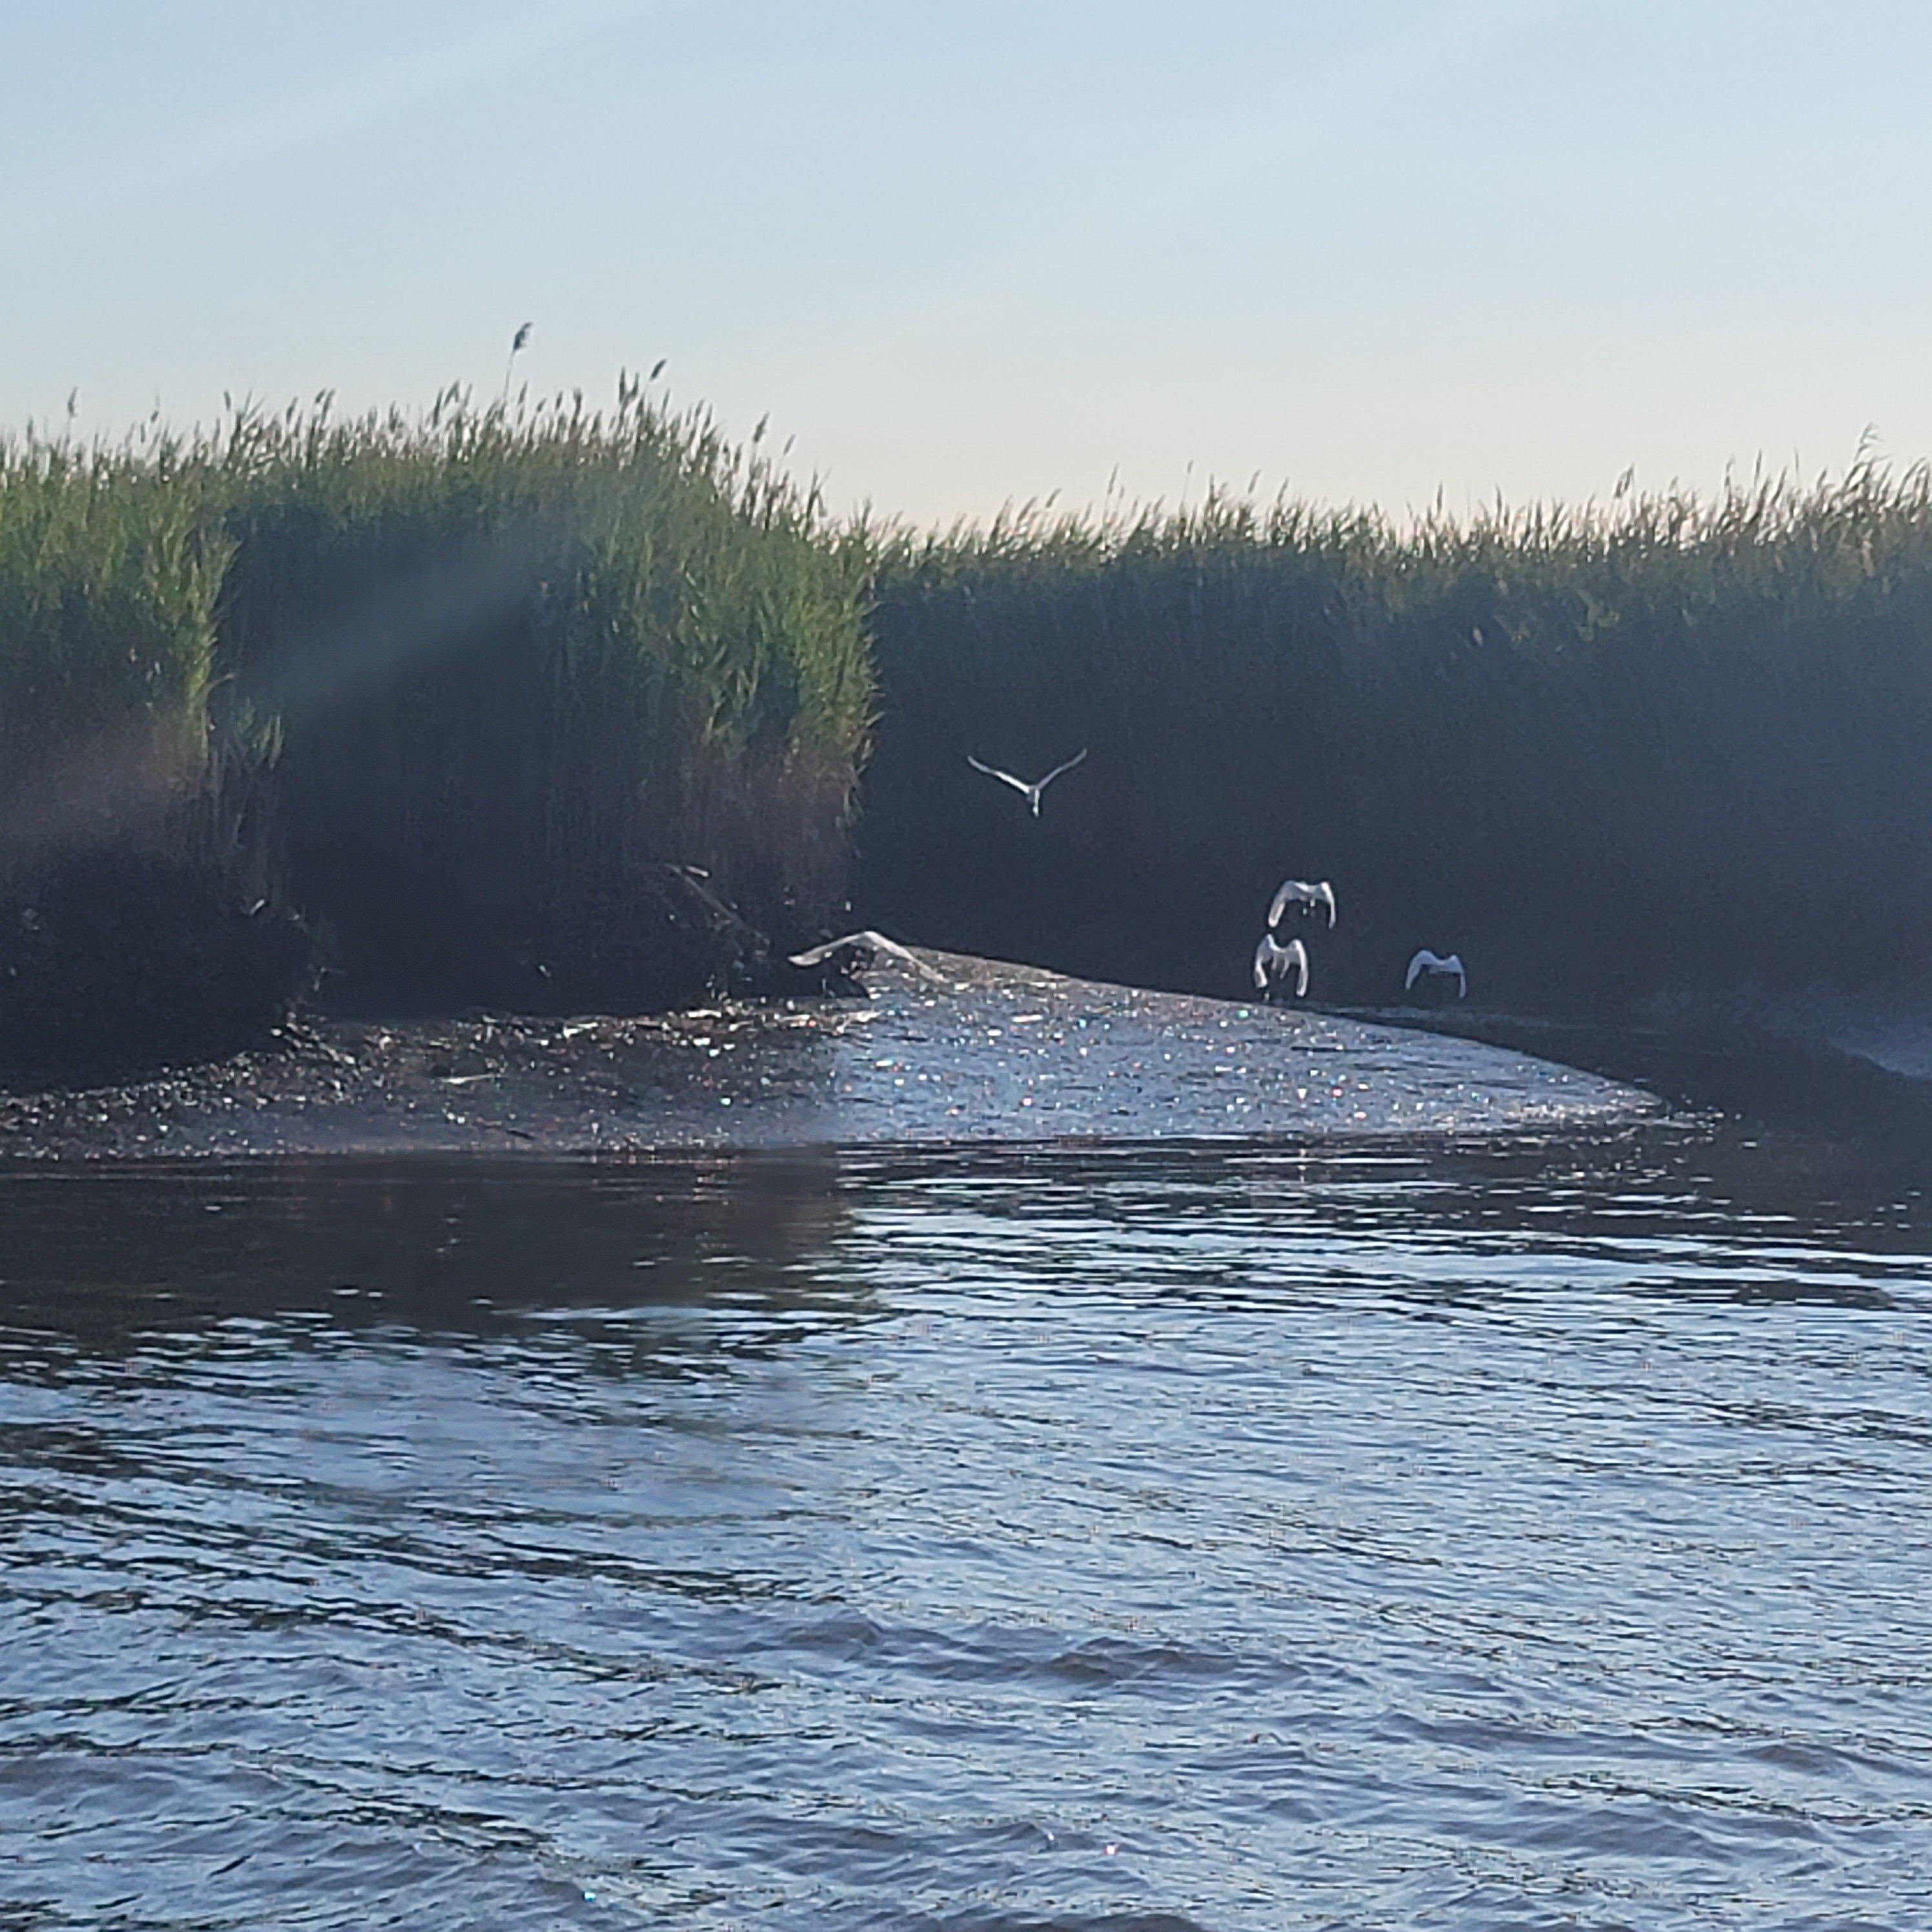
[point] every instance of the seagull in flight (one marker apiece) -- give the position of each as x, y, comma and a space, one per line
1274, 962
1031, 792
1436, 966
1299, 891
868, 941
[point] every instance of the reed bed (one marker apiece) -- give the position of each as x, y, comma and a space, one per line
132, 918
547, 707
541, 706
109, 579
522, 663
1609, 754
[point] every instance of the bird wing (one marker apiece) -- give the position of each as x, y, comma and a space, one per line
1005, 778
1263, 955
878, 942
817, 954
1299, 891
1419, 965
1058, 768
1453, 963
1296, 956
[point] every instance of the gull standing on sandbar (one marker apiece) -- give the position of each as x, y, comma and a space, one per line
1031, 792
1299, 891
1274, 962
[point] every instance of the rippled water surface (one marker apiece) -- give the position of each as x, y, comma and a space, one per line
1225, 1538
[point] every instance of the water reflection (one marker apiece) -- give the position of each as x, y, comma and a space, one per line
1242, 1538
1710, 1212
106, 1257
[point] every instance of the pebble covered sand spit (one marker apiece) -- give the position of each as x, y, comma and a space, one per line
968, 1050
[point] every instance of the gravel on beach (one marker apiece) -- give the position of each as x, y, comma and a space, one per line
950, 1049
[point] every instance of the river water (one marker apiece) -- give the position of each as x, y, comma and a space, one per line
1220, 1537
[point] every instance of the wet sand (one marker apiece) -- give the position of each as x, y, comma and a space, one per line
967, 1051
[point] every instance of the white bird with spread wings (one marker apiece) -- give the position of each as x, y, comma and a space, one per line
1300, 893
861, 945
1437, 967
1030, 792
1274, 962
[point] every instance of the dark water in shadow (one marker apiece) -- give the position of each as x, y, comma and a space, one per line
1228, 1538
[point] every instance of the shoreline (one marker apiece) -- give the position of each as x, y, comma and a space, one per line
956, 1051
1866, 1068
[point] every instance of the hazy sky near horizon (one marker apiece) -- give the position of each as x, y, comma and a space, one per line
965, 253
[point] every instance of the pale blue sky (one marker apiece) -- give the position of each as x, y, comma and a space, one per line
966, 252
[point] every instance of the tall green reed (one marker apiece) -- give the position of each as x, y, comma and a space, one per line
1604, 751
464, 688
109, 576
519, 657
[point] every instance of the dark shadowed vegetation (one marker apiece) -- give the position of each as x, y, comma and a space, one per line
541, 707
132, 918
536, 677
1608, 754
